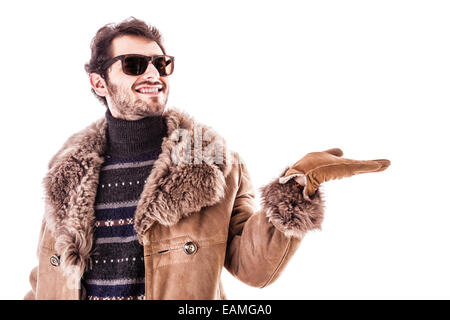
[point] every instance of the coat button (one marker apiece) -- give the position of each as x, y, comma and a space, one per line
54, 260
190, 247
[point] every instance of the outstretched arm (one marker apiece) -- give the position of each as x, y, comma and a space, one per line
261, 242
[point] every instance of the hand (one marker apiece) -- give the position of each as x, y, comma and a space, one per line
318, 167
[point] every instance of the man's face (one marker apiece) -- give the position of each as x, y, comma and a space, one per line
123, 95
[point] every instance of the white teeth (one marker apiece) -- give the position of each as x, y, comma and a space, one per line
148, 90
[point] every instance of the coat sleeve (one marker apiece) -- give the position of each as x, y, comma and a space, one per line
31, 295
33, 280
261, 242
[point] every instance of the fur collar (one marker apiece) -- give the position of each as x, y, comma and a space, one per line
188, 175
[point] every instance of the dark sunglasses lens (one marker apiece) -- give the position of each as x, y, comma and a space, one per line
164, 65
134, 65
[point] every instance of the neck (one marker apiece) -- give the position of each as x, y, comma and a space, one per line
133, 137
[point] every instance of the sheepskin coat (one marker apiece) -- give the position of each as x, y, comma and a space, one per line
196, 215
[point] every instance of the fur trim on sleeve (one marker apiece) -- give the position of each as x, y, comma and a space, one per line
289, 211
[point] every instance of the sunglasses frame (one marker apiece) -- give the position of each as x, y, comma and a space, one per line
110, 62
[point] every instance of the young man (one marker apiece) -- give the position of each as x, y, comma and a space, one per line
146, 203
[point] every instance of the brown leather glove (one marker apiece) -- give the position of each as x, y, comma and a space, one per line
318, 167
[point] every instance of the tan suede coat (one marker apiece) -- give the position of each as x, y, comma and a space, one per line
196, 215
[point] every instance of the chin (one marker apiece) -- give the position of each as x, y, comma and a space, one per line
155, 110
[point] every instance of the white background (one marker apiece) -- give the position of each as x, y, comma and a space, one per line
277, 79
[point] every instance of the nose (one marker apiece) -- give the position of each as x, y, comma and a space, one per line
151, 72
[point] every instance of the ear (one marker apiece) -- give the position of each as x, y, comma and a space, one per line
98, 84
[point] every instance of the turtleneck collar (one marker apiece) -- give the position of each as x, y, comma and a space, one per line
130, 138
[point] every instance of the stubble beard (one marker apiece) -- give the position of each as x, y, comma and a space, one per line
129, 106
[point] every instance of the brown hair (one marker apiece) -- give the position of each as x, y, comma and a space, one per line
101, 43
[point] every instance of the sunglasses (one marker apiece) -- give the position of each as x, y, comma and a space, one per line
136, 64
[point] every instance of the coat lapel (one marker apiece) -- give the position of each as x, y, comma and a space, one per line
188, 175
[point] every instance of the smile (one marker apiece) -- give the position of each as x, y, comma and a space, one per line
149, 90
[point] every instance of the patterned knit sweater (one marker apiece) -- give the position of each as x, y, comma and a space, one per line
117, 270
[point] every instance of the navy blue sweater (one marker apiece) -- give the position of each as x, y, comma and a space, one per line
117, 270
